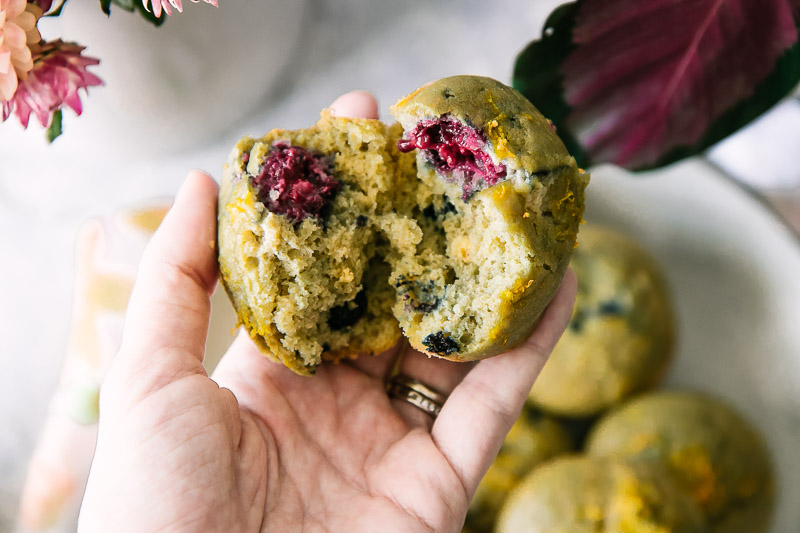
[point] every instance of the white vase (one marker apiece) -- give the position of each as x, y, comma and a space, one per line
179, 85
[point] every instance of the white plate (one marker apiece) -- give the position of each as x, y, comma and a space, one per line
733, 268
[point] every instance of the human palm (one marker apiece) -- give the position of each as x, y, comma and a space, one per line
258, 448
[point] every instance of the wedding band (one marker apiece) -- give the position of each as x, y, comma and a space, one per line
416, 393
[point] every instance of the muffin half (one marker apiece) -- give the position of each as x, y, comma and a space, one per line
499, 201
297, 241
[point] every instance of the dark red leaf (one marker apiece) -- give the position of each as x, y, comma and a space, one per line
647, 77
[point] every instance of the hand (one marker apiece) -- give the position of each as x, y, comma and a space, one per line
258, 448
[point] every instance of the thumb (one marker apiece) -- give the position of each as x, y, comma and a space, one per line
167, 318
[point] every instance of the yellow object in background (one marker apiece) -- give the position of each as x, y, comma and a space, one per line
106, 256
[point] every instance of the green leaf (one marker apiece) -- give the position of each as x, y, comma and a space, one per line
55, 127
537, 75
105, 5
127, 5
592, 87
780, 82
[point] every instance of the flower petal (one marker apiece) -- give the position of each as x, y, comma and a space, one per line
15, 8
8, 85
58, 75
14, 36
5, 61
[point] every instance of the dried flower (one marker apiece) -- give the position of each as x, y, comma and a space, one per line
59, 72
167, 5
18, 34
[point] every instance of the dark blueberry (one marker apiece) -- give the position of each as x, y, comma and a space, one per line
425, 299
361, 221
420, 296
426, 307
540, 174
347, 314
402, 281
533, 416
431, 212
440, 344
577, 429
576, 323
610, 307
448, 208
296, 182
326, 347
456, 151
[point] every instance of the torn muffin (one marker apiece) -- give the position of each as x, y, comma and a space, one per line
499, 201
297, 245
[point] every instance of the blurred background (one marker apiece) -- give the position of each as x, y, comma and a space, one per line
178, 97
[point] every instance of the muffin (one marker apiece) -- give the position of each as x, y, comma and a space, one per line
715, 456
533, 439
499, 201
298, 245
456, 227
621, 335
583, 494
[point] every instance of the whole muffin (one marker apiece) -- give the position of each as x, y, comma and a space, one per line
621, 335
297, 240
715, 455
499, 201
533, 439
582, 494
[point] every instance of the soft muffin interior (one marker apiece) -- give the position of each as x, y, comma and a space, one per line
401, 239
459, 269
321, 285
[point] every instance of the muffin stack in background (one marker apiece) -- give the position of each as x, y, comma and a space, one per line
619, 456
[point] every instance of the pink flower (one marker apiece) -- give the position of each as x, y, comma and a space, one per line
18, 35
59, 72
167, 5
